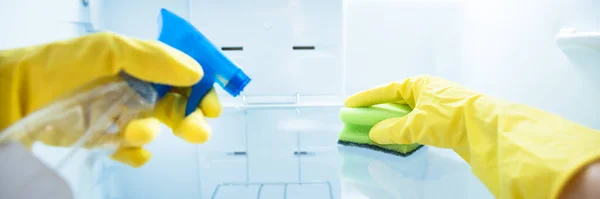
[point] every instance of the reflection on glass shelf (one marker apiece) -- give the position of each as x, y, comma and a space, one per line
425, 174
358, 173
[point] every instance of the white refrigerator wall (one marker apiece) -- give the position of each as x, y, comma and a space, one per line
391, 40
31, 22
509, 51
502, 48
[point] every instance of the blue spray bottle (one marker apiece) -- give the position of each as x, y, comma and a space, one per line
181, 35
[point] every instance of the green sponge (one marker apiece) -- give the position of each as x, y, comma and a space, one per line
359, 121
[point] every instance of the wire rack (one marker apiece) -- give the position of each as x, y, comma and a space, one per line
261, 185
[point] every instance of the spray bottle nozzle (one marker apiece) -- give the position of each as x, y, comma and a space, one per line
180, 34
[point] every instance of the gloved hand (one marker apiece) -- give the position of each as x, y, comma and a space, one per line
36, 76
516, 150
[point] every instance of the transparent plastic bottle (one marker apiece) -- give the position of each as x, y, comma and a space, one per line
73, 134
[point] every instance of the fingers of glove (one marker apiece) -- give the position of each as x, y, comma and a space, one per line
140, 132
137, 133
158, 63
132, 156
106, 54
405, 91
419, 127
171, 111
194, 128
210, 105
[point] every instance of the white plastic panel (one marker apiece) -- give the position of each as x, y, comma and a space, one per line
317, 128
20, 27
268, 142
226, 23
229, 133
222, 159
315, 22
268, 31
136, 18
392, 40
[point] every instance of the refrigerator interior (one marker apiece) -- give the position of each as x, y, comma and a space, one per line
278, 140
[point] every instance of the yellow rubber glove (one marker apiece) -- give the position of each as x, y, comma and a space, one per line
33, 77
516, 150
